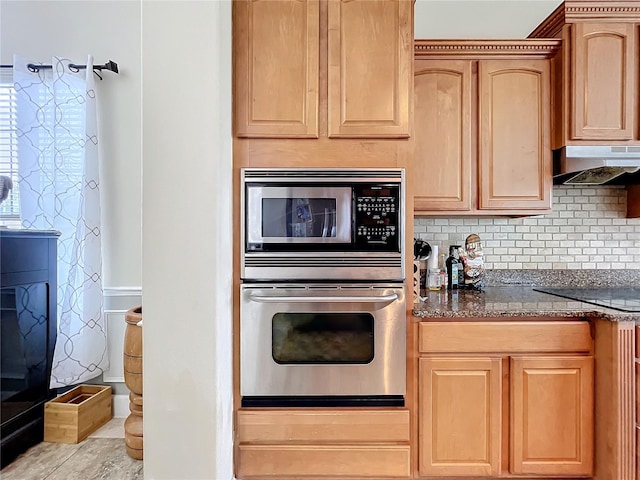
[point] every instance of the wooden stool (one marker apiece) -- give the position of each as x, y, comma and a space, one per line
133, 379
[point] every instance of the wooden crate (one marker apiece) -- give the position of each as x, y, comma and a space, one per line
74, 416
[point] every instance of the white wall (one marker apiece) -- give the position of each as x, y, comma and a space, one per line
187, 204
479, 18
109, 30
186, 52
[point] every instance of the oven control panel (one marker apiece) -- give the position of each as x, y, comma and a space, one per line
377, 215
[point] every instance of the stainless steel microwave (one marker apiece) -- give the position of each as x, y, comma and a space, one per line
331, 224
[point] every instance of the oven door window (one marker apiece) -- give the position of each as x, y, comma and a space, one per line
321, 338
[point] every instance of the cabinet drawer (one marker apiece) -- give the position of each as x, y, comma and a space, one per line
277, 461
504, 337
348, 426
24, 254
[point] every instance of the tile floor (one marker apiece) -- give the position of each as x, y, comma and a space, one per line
101, 456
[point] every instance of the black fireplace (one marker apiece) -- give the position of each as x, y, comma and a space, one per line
27, 335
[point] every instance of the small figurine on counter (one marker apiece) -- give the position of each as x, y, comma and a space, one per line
473, 262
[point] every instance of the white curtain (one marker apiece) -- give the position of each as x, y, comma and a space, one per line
58, 172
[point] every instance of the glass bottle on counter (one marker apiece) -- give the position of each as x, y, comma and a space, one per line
433, 272
452, 268
461, 261
433, 280
442, 265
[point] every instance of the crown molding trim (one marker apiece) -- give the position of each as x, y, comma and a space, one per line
551, 27
602, 10
487, 49
574, 11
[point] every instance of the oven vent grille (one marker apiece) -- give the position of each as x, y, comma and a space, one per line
308, 173
336, 262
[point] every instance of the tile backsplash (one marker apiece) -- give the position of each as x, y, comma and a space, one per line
587, 230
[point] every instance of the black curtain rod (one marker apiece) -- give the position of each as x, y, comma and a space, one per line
110, 65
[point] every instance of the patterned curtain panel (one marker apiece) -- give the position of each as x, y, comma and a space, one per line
58, 173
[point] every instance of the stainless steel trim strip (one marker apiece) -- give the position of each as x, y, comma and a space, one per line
330, 261
277, 174
384, 299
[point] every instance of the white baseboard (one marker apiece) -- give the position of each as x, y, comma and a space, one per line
117, 300
121, 406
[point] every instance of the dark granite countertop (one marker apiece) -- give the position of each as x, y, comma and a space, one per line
510, 301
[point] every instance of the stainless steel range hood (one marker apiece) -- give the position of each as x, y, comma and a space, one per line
594, 164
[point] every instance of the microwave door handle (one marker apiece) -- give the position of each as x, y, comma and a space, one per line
384, 299
333, 223
325, 223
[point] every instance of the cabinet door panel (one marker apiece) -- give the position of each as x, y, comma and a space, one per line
370, 58
442, 119
603, 66
276, 68
552, 415
515, 156
460, 416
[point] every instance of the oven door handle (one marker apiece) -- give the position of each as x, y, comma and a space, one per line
384, 299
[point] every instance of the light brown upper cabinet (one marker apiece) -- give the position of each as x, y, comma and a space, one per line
603, 65
515, 167
276, 56
482, 127
311, 68
595, 87
444, 138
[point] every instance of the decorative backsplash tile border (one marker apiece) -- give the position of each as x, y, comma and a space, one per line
586, 230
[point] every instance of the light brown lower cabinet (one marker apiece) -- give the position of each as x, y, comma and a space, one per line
459, 416
337, 461
333, 443
505, 399
551, 415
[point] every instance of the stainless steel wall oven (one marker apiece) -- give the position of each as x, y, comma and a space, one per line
322, 309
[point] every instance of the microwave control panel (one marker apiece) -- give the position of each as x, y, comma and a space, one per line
377, 216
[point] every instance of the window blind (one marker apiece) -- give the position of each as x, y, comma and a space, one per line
10, 208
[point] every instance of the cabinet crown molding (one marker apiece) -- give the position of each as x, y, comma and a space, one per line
583, 10
474, 49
